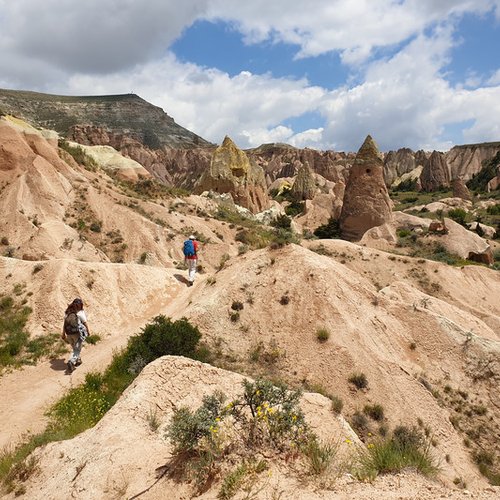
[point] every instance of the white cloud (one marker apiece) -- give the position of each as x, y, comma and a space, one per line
95, 36
354, 28
210, 102
106, 46
406, 101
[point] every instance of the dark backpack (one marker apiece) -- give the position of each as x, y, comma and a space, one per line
72, 324
188, 249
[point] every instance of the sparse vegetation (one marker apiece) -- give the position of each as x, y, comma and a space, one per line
265, 416
405, 448
337, 404
83, 406
375, 412
359, 380
329, 230
322, 334
16, 348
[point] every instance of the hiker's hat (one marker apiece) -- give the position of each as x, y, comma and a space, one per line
78, 301
192, 237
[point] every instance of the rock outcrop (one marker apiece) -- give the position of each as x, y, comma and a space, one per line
397, 163
460, 190
467, 160
304, 186
282, 160
366, 200
231, 171
436, 173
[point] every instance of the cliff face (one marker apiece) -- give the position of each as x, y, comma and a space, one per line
282, 160
127, 114
466, 161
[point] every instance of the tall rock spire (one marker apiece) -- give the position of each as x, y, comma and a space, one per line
366, 200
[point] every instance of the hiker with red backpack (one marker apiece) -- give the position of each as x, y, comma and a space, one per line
190, 250
75, 331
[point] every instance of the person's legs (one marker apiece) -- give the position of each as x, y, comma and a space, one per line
76, 343
192, 269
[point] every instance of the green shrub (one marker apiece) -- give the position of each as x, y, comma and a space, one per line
322, 334
320, 455
375, 412
392, 455
337, 404
161, 337
458, 215
359, 380
187, 428
282, 221
264, 416
295, 208
237, 305
282, 237
329, 230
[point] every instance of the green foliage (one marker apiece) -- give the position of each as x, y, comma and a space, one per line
479, 181
79, 155
13, 337
282, 237
359, 380
406, 448
322, 334
458, 215
375, 412
337, 404
320, 455
282, 221
187, 428
83, 406
295, 208
406, 185
493, 210
329, 230
93, 339
161, 337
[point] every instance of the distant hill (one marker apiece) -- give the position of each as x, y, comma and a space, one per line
126, 114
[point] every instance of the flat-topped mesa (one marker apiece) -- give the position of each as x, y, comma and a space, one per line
231, 171
366, 200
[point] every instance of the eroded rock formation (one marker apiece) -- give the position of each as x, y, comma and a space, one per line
460, 190
231, 171
366, 200
436, 173
304, 187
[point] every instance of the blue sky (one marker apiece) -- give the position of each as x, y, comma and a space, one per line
322, 74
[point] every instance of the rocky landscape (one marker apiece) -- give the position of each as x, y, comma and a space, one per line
396, 319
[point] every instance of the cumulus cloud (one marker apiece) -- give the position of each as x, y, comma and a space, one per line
95, 36
354, 29
106, 46
405, 100
247, 107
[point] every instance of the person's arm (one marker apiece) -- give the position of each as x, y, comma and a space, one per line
63, 334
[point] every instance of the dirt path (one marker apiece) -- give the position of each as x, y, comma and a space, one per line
26, 394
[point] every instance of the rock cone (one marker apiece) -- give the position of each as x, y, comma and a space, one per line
232, 172
366, 200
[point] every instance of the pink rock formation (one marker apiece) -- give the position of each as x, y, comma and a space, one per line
366, 200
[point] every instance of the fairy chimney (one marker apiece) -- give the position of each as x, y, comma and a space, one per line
231, 171
304, 187
366, 200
